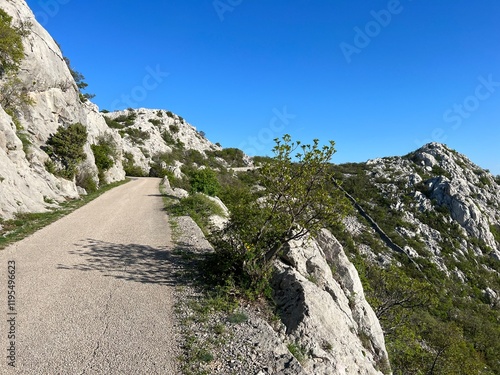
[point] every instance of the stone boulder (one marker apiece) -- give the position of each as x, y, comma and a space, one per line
322, 304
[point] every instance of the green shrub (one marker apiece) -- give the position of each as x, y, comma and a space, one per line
113, 123
296, 197
204, 181
298, 352
121, 121
155, 122
495, 230
104, 153
233, 156
138, 136
11, 44
237, 318
86, 180
129, 166
174, 128
25, 141
199, 207
66, 148
167, 137
79, 80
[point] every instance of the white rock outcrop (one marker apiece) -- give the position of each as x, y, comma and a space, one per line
25, 184
322, 304
161, 131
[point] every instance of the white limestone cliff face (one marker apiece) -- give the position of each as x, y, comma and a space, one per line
26, 185
321, 302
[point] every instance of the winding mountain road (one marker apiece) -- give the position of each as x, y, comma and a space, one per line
93, 291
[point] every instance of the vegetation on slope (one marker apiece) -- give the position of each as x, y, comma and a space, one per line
434, 322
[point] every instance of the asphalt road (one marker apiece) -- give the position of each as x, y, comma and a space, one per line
93, 291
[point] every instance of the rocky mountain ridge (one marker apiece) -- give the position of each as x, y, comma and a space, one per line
426, 233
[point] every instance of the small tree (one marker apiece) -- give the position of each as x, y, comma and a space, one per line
299, 199
11, 44
66, 148
204, 181
79, 80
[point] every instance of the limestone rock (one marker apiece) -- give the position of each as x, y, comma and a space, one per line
326, 312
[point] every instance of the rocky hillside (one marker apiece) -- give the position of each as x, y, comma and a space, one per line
426, 240
150, 134
34, 177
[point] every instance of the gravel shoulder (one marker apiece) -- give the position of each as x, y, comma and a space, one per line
245, 341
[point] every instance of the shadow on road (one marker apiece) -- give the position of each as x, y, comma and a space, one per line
134, 262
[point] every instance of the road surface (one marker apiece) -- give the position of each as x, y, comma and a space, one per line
93, 291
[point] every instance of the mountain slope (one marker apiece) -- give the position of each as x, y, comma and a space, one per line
51, 100
426, 242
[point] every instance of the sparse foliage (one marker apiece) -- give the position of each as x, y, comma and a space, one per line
79, 80
299, 200
13, 93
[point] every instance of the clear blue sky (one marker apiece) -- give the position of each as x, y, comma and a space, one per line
380, 78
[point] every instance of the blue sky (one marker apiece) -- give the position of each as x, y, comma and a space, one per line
380, 78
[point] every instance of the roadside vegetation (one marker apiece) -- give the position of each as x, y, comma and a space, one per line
289, 197
433, 323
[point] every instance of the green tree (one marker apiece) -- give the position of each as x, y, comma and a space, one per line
204, 181
11, 44
66, 148
79, 80
299, 199
104, 153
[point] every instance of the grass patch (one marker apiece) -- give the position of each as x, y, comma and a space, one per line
237, 318
25, 224
298, 352
198, 206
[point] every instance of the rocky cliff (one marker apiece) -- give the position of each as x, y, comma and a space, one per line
44, 75
426, 237
54, 100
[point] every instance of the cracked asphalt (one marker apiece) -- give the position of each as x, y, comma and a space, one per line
94, 290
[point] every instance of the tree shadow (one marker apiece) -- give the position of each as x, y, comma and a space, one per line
134, 262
